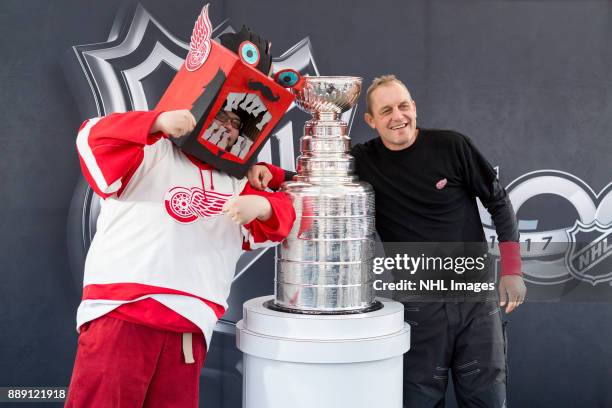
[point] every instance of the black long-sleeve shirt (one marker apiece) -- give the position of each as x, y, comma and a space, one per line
427, 192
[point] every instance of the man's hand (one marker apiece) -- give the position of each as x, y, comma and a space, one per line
259, 176
174, 123
246, 208
512, 292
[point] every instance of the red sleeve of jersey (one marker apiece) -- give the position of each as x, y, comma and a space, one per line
111, 148
510, 257
278, 175
277, 227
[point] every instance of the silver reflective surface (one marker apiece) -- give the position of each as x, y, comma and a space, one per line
325, 264
328, 95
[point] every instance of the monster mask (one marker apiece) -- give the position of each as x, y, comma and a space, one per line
227, 88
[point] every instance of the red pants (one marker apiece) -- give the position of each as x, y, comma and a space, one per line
122, 364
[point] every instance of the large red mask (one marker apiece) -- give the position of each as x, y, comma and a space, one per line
227, 88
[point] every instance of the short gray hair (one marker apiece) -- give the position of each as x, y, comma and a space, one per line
377, 82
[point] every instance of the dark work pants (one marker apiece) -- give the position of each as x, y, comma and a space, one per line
467, 338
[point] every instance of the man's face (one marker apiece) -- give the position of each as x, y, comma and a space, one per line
231, 122
393, 115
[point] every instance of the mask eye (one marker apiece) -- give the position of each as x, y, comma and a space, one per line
249, 53
287, 78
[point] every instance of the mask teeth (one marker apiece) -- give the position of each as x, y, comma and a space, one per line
250, 103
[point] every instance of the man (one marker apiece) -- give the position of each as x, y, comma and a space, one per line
224, 129
158, 273
225, 133
426, 183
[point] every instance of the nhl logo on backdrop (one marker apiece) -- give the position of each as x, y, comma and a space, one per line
578, 248
126, 73
589, 256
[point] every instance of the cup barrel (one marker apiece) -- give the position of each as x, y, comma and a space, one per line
325, 264
309, 298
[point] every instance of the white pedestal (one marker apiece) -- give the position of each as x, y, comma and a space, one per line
323, 361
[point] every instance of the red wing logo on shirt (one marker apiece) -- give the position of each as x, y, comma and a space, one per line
441, 184
186, 205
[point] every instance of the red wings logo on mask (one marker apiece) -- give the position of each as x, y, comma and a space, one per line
186, 205
200, 42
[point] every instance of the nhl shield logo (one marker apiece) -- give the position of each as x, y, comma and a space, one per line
589, 255
131, 71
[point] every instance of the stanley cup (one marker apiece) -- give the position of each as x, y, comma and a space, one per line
325, 264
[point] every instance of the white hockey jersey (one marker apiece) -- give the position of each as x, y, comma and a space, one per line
160, 233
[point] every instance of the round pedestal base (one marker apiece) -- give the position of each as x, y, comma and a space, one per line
323, 361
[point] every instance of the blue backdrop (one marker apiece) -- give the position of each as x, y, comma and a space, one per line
529, 81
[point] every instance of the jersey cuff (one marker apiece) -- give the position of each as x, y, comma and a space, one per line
278, 175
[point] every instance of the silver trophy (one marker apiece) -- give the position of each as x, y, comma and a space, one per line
325, 264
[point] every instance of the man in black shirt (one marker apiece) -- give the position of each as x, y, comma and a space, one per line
426, 183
